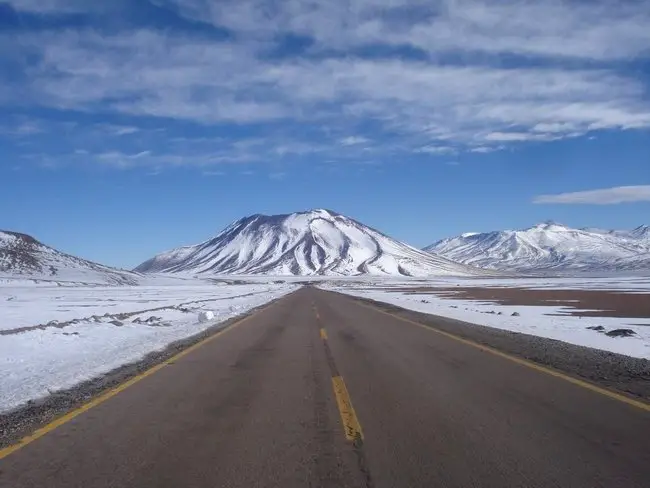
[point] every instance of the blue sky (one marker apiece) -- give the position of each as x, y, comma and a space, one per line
131, 127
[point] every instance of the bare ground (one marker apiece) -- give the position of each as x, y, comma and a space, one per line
579, 303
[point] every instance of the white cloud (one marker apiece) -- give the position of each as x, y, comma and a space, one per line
22, 129
436, 150
149, 74
49, 6
485, 149
594, 30
353, 140
605, 196
429, 106
118, 158
119, 130
524, 136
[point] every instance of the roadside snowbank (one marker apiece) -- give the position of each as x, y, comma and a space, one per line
536, 320
44, 359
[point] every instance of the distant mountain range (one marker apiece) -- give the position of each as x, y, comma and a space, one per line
550, 247
325, 243
316, 242
22, 256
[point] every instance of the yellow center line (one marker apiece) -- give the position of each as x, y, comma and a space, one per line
349, 418
111, 393
351, 424
524, 362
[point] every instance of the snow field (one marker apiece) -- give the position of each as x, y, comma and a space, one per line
542, 321
38, 362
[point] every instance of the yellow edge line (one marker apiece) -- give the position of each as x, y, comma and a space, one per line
349, 418
111, 393
523, 362
323, 334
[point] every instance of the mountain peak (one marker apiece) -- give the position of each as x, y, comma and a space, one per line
550, 246
314, 213
323, 211
549, 225
641, 232
311, 242
22, 256
20, 236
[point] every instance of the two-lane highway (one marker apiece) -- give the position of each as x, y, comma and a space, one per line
318, 390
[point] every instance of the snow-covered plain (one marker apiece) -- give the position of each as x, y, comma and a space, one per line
58, 355
543, 321
29, 305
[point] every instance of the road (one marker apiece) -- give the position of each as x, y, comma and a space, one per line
318, 390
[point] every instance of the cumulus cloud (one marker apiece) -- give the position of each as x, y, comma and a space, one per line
605, 196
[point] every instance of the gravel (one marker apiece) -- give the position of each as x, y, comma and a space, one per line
625, 374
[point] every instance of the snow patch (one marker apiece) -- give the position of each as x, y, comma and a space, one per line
85, 342
205, 316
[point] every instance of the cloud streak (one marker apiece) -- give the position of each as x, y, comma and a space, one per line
591, 30
451, 92
145, 73
605, 196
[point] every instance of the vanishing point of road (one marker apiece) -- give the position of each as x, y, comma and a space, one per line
321, 390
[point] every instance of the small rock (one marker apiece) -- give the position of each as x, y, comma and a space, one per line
424, 301
137, 320
620, 333
500, 313
117, 323
53, 323
599, 328
515, 314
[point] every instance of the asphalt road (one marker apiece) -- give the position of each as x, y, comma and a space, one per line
257, 406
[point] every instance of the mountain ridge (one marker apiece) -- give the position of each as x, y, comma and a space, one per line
550, 246
23, 256
313, 242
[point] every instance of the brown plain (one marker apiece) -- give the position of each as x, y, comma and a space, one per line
580, 303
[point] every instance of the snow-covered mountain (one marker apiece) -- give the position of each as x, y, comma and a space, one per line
317, 242
550, 246
22, 256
